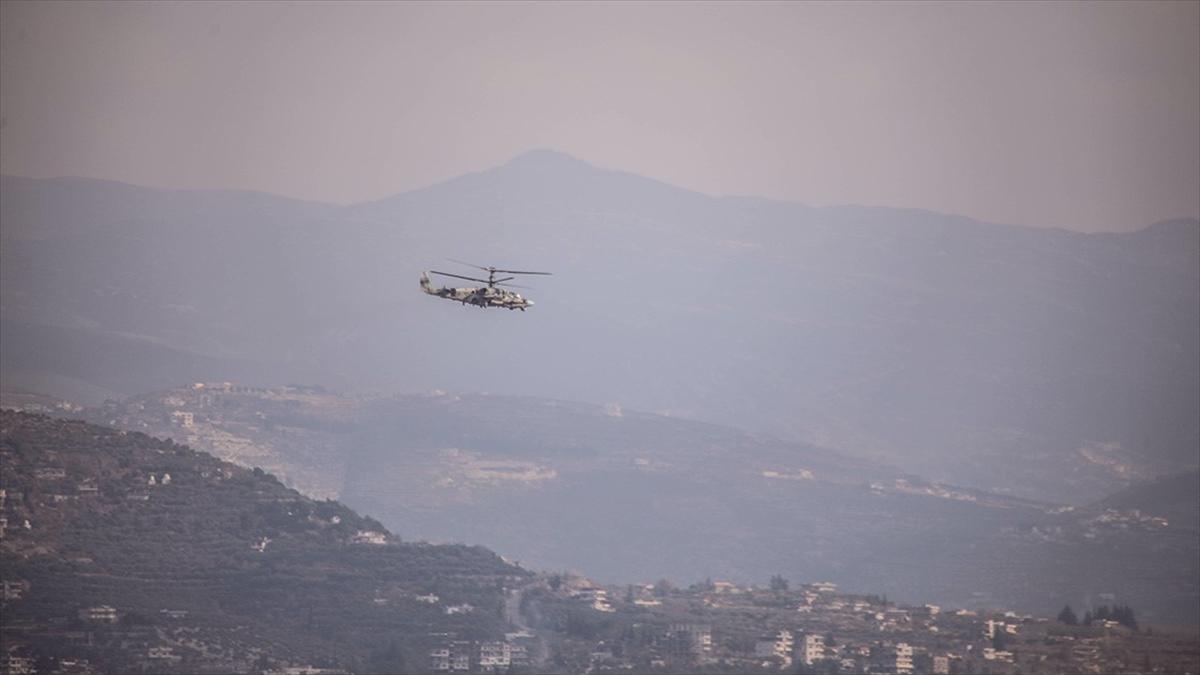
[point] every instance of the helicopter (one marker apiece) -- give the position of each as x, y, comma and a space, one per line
486, 296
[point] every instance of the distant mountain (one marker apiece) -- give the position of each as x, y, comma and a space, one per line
624, 496
140, 555
1037, 362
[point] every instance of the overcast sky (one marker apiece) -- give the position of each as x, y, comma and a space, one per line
1085, 116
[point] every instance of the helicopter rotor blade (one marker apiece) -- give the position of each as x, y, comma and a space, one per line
478, 267
514, 286
458, 276
520, 272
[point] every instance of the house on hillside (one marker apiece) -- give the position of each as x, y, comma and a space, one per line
813, 649
495, 655
904, 654
778, 646
369, 537
184, 419
692, 639
453, 657
99, 613
162, 654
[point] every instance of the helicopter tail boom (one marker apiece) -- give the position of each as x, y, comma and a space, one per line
427, 285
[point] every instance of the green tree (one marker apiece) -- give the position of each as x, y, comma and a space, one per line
778, 583
1067, 616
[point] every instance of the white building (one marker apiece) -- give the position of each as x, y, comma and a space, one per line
824, 587
495, 655
162, 653
596, 597
453, 657
439, 659
50, 473
778, 646
102, 613
990, 654
370, 537
904, 654
184, 419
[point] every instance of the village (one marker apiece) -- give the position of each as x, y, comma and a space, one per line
719, 626
544, 623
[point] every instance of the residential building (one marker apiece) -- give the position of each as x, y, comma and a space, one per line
813, 649
904, 654
370, 537
495, 655
777, 646
162, 653
184, 419
102, 613
690, 638
439, 659
724, 587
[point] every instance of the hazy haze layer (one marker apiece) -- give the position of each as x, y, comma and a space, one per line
1051, 364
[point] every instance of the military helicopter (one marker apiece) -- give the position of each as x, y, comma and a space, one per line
486, 296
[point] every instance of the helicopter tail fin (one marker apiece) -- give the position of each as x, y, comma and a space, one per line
426, 284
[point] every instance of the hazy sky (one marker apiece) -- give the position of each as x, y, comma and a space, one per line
1079, 115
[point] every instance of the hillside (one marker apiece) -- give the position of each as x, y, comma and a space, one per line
622, 496
1175, 496
1033, 362
196, 565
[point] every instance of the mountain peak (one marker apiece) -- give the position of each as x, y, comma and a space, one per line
546, 158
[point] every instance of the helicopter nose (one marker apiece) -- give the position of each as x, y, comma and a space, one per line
529, 303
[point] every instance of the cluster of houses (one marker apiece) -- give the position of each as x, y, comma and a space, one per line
487, 656
816, 628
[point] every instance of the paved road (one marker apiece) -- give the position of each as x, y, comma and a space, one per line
512, 612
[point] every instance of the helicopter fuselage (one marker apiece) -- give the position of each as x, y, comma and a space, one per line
484, 296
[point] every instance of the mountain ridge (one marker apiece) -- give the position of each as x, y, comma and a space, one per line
545, 160
982, 355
